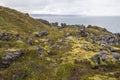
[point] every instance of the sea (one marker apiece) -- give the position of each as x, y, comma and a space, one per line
111, 23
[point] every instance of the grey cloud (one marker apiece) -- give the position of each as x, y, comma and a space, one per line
84, 7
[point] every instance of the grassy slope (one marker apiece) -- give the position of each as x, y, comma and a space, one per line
12, 20
60, 65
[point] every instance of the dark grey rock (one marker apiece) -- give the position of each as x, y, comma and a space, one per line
96, 59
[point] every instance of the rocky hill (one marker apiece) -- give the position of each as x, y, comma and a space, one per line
33, 49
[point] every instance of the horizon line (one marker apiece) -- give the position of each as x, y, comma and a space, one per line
35, 14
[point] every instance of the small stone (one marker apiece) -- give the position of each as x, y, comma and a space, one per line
96, 58
30, 41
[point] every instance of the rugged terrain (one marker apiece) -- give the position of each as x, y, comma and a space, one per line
32, 49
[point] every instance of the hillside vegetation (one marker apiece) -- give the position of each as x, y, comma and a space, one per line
33, 49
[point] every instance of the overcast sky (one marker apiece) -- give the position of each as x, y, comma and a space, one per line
82, 7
